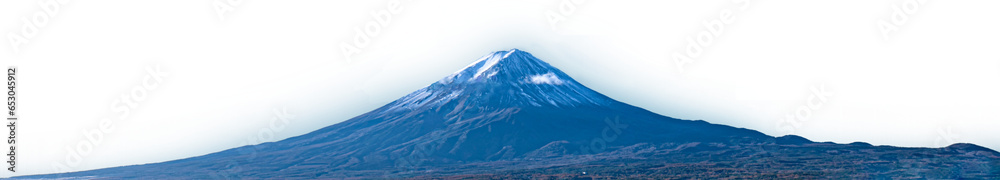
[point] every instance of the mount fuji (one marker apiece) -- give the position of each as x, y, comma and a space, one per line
511, 115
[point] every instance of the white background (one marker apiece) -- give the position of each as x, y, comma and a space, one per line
929, 83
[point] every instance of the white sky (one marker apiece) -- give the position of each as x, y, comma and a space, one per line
933, 82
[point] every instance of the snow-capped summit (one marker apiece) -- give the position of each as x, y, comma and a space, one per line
510, 66
506, 78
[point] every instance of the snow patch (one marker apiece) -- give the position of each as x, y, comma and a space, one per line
490, 62
459, 72
547, 78
491, 74
424, 97
508, 53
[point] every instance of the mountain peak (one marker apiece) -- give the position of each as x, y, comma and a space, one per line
510, 78
509, 66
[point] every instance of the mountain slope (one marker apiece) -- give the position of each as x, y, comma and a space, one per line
508, 110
